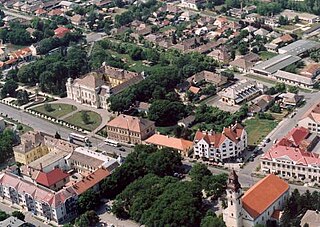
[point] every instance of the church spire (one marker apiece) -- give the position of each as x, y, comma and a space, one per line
233, 182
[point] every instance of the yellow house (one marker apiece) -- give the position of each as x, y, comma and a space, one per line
117, 76
34, 145
31, 148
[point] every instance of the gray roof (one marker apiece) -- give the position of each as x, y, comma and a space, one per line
276, 63
294, 77
299, 47
312, 218
12, 222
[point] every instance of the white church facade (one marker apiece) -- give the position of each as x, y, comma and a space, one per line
262, 202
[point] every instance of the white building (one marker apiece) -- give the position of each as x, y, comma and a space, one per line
220, 146
244, 90
192, 4
262, 202
96, 87
311, 119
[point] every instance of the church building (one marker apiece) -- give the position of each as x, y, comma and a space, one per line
260, 203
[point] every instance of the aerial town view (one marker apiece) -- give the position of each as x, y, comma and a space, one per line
160, 113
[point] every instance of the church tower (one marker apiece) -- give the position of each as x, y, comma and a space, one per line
232, 215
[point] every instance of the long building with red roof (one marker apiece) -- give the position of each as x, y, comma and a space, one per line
291, 159
220, 146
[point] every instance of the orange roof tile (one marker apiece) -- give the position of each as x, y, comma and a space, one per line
127, 122
90, 180
171, 142
263, 194
194, 90
51, 178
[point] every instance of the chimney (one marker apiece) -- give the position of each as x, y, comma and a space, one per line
41, 168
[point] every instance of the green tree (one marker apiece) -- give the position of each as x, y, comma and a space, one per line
22, 97
3, 215
211, 220
48, 107
199, 171
87, 201
280, 87
18, 214
293, 89
164, 162
85, 117
165, 112
9, 88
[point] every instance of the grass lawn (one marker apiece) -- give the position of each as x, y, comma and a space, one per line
166, 130
258, 129
58, 110
265, 55
76, 119
279, 116
261, 78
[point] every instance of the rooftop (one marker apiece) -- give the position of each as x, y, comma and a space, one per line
300, 46
134, 124
171, 142
263, 194
51, 178
90, 180
276, 63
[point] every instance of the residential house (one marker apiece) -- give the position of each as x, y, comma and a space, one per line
85, 160
128, 129
252, 17
243, 91
76, 19
220, 54
35, 145
192, 4
60, 32
262, 202
31, 148
217, 80
55, 12
246, 62
311, 218
161, 141
220, 146
261, 104
54, 180
143, 107
290, 100
96, 87
92, 181
311, 119
311, 70
220, 22
13, 222
187, 121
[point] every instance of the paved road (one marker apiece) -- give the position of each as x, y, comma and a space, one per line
50, 128
28, 216
283, 128
16, 14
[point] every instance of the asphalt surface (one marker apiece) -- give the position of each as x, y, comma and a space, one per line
45, 126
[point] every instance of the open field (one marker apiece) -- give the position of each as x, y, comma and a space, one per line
258, 129
58, 110
76, 119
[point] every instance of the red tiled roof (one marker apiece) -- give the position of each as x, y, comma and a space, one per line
263, 194
175, 143
295, 137
61, 31
194, 90
233, 133
90, 180
51, 178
